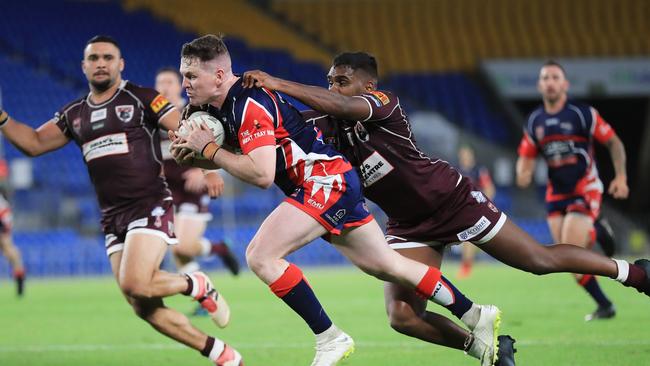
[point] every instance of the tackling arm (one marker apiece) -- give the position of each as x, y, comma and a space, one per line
320, 99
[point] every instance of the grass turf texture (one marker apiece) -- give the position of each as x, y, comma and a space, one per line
87, 322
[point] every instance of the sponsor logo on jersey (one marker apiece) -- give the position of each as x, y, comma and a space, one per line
539, 132
604, 129
478, 196
492, 207
361, 132
76, 125
158, 103
98, 115
125, 112
113, 144
375, 100
315, 204
552, 121
383, 98
374, 168
340, 214
566, 126
475, 230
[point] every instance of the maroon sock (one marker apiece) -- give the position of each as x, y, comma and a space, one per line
219, 248
190, 287
636, 277
208, 347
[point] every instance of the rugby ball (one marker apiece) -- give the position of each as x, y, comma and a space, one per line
201, 117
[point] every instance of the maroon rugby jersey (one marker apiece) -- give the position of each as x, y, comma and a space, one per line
396, 175
120, 143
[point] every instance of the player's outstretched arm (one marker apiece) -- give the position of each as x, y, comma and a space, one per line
32, 142
618, 187
317, 98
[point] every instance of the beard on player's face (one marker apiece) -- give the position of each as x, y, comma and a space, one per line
102, 85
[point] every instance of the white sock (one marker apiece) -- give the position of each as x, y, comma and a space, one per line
189, 267
331, 333
217, 349
477, 349
623, 270
195, 286
471, 317
206, 247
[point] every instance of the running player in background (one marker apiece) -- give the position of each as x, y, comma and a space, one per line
564, 132
191, 189
429, 204
323, 199
7, 246
116, 128
480, 177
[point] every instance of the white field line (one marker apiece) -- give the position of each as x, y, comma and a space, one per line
272, 345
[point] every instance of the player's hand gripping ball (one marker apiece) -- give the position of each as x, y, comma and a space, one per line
198, 118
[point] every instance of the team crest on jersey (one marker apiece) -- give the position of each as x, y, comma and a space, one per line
157, 213
361, 132
539, 132
124, 112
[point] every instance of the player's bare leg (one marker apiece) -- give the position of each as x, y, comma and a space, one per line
407, 312
513, 246
574, 228
137, 267
468, 253
273, 241
11, 252
427, 281
189, 230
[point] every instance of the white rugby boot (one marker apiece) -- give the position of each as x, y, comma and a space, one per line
333, 346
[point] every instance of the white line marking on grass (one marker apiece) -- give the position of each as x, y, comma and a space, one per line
273, 345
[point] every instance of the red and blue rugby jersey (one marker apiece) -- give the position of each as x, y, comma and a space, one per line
565, 140
258, 117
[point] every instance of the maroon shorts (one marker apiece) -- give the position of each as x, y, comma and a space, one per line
191, 204
468, 215
152, 217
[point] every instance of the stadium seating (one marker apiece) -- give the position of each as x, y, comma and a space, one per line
414, 36
40, 72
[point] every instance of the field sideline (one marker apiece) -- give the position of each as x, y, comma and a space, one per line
86, 322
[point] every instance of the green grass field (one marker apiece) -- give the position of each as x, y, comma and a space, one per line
86, 322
